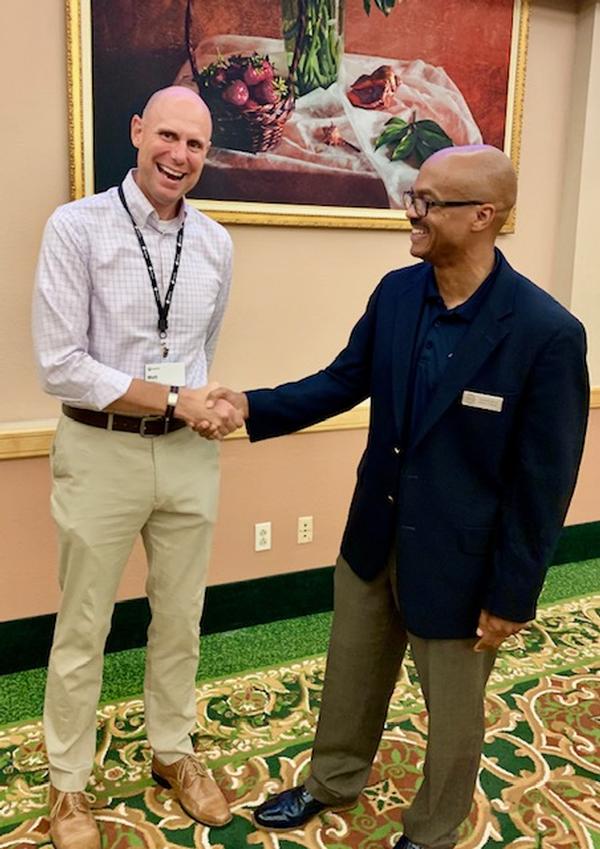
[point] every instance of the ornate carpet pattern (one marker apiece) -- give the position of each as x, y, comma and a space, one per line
537, 788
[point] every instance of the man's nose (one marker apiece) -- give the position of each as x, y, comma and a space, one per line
178, 151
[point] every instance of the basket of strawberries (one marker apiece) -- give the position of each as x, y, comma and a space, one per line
248, 100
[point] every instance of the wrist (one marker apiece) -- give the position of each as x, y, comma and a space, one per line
181, 407
172, 399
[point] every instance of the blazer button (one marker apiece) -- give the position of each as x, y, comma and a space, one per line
396, 449
390, 498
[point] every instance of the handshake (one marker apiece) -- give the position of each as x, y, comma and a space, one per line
212, 411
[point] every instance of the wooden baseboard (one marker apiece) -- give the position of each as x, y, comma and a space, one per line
19, 440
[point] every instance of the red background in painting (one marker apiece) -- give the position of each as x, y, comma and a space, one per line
470, 39
138, 46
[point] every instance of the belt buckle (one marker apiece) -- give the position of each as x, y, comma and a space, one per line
142, 428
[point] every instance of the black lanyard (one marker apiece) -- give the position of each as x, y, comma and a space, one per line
163, 309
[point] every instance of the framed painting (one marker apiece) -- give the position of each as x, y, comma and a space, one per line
323, 110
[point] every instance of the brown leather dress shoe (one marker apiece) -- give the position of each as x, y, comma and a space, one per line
72, 825
197, 792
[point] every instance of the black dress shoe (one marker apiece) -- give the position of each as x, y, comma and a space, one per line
405, 843
290, 809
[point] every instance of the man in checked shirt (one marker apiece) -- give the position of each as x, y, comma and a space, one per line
130, 293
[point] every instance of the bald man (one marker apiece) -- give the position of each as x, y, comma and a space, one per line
479, 399
131, 290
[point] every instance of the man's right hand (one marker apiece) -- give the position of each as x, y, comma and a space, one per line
239, 400
214, 419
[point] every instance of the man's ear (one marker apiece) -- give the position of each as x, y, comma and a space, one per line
484, 216
135, 131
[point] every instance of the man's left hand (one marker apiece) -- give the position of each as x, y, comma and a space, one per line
492, 630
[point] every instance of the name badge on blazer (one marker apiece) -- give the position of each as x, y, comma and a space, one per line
493, 403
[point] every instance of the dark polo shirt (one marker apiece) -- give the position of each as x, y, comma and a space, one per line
439, 335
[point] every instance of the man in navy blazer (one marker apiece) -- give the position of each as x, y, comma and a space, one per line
479, 398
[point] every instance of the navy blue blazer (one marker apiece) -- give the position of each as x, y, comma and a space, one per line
476, 502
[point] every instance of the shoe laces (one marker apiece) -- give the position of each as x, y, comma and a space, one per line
69, 803
190, 769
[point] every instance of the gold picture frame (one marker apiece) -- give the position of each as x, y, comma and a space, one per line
83, 130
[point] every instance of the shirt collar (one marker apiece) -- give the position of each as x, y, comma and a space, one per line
144, 213
467, 310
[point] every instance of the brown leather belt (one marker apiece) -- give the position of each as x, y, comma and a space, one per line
142, 425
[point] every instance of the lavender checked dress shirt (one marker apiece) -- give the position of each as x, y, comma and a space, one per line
94, 313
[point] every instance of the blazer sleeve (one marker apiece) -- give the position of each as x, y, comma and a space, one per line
546, 455
336, 388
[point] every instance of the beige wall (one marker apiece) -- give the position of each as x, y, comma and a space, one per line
297, 292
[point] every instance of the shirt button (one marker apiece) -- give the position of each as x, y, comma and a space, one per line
390, 498
436, 323
429, 344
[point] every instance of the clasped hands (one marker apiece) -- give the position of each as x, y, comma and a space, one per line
212, 411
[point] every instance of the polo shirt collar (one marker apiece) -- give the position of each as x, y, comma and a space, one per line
467, 310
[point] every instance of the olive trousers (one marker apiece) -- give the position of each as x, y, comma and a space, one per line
368, 642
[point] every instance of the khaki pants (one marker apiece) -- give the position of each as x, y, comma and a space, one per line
107, 488
368, 642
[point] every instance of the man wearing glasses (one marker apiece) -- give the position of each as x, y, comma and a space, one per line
479, 398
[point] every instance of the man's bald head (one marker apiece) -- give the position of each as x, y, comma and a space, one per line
172, 137
175, 95
474, 172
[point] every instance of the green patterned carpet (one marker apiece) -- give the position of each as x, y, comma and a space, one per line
537, 789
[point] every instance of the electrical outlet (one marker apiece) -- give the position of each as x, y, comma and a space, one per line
305, 529
262, 536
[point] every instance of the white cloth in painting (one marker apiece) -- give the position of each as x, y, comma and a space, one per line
424, 89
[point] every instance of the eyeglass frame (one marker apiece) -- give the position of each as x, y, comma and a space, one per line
409, 193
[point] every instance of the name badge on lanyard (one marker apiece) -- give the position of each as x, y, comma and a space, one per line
171, 374
163, 309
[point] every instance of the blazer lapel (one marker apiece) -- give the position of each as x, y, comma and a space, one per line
485, 333
408, 311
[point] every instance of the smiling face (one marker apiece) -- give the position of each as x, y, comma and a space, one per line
445, 232
172, 138
447, 235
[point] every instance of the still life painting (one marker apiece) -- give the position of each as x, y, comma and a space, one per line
323, 110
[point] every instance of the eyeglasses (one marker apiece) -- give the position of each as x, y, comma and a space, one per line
422, 206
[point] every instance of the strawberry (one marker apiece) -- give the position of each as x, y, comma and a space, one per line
264, 92
268, 70
236, 93
258, 71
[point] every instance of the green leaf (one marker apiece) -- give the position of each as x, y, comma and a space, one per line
422, 152
431, 127
389, 135
405, 147
385, 6
398, 122
434, 140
